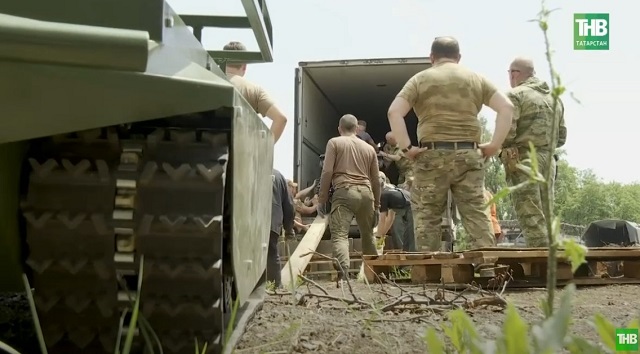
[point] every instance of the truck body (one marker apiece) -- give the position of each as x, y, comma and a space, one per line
123, 159
326, 90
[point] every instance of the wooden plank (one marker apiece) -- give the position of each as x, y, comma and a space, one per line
546, 248
284, 259
297, 264
364, 272
332, 272
631, 269
601, 253
428, 261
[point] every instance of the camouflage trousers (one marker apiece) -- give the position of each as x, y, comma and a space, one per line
527, 201
347, 203
403, 175
435, 173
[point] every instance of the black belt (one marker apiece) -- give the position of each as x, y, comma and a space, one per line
449, 145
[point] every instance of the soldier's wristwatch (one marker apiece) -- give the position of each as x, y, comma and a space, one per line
405, 150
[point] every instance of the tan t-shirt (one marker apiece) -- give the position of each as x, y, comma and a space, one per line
254, 94
349, 161
447, 99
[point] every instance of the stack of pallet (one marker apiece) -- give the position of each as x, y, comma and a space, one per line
523, 267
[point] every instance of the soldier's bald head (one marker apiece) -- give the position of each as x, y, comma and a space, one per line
348, 123
445, 48
389, 136
520, 70
524, 65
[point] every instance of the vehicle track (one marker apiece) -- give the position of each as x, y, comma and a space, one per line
95, 203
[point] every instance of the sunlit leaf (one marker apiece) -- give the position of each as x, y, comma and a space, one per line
524, 168
575, 252
551, 333
515, 337
503, 193
577, 345
435, 345
606, 330
518, 186
543, 25
454, 337
558, 91
534, 158
462, 332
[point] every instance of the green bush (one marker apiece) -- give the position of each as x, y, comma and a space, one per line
549, 336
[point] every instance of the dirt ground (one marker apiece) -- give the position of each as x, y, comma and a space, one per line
333, 326
16, 327
330, 326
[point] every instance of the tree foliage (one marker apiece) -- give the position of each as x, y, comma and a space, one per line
580, 196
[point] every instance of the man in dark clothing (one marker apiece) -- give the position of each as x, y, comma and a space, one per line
282, 216
395, 214
361, 133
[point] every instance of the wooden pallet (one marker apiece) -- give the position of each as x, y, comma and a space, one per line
320, 267
526, 266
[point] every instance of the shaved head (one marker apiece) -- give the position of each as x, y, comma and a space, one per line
348, 123
521, 69
390, 138
445, 47
524, 64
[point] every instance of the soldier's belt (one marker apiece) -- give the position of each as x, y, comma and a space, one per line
447, 145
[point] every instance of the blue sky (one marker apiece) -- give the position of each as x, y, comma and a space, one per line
601, 129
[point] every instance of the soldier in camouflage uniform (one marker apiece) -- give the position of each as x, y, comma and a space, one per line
391, 152
532, 122
446, 99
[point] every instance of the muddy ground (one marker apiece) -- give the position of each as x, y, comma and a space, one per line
331, 326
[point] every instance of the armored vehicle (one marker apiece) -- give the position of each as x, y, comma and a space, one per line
127, 158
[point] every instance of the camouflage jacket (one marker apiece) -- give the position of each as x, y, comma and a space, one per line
404, 163
533, 116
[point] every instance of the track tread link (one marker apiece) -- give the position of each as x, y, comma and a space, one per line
176, 212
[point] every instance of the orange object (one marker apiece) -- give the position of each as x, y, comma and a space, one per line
494, 213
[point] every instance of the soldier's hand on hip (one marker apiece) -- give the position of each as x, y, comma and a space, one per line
414, 151
489, 149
